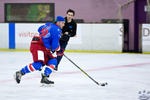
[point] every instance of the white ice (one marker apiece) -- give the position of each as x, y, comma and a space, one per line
126, 75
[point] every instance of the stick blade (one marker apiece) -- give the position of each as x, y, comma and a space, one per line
103, 84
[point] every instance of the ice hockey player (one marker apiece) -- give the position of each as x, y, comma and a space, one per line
43, 49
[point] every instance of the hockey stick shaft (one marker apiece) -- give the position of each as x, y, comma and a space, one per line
82, 70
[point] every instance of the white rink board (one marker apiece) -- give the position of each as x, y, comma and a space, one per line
99, 37
146, 37
4, 41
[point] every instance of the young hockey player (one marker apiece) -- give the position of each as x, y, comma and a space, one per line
43, 49
69, 30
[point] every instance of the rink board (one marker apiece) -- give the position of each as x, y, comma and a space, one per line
146, 37
4, 41
90, 37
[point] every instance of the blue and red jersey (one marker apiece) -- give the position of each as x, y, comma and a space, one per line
50, 34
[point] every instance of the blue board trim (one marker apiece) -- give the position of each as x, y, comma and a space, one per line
11, 35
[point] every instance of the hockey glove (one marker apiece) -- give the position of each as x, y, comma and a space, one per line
60, 52
50, 54
53, 54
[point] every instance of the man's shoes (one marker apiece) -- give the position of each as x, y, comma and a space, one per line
18, 76
45, 80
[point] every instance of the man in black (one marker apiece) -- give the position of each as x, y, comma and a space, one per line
69, 30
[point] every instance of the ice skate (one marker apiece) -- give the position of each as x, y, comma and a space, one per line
18, 76
55, 70
46, 82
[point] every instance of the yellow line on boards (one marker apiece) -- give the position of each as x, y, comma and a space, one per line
77, 51
73, 51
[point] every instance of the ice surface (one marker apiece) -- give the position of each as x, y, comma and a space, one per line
126, 74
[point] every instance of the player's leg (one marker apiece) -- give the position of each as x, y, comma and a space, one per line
59, 57
60, 53
47, 70
38, 57
27, 69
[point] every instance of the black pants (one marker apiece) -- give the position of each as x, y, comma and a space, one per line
63, 46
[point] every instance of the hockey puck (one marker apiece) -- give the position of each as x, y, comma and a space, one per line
103, 84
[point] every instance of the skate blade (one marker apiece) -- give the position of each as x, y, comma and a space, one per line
46, 85
15, 78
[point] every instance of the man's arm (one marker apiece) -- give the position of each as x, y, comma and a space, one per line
73, 31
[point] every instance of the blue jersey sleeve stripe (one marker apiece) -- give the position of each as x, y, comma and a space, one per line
11, 35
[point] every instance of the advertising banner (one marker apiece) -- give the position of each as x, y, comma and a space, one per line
146, 37
24, 34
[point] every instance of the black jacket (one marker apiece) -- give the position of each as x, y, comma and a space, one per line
71, 28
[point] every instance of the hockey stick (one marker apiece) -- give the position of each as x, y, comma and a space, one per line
102, 84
